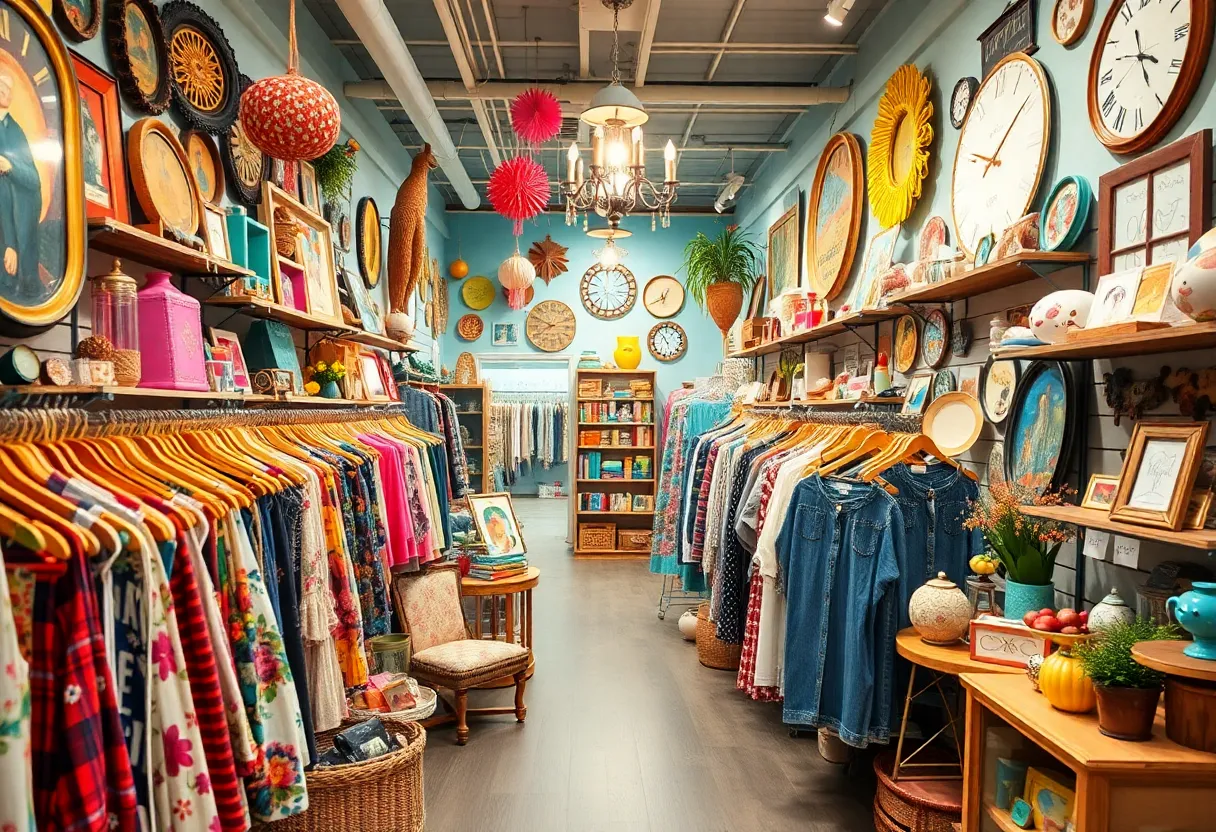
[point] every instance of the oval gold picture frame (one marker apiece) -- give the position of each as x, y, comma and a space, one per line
830, 250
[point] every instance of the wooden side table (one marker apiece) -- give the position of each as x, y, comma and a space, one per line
1190, 692
515, 594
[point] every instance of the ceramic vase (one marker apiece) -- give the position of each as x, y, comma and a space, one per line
628, 352
1055, 314
1110, 611
1022, 598
940, 611
1195, 612
331, 390
170, 337
1194, 287
400, 326
688, 625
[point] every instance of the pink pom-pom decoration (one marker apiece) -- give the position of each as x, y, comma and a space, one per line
519, 190
536, 116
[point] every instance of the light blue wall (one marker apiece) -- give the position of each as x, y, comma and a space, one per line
485, 240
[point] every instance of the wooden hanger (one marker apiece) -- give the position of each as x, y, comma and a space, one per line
38, 503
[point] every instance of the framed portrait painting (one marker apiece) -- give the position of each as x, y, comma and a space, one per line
1038, 436
1159, 472
495, 520
105, 174
783, 253
78, 19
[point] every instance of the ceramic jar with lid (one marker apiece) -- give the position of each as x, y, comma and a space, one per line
940, 612
1110, 611
115, 316
171, 337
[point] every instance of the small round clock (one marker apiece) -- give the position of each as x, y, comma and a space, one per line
960, 100
477, 293
608, 292
667, 341
663, 296
1070, 19
551, 326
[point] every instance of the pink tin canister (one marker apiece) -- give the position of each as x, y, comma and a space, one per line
170, 337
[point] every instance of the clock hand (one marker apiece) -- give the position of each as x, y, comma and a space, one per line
996, 153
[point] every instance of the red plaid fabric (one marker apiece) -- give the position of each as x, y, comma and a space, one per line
751, 638
698, 533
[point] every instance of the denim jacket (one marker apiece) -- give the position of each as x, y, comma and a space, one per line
839, 550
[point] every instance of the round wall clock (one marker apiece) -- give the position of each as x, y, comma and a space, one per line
246, 166
905, 343
203, 154
470, 327
663, 296
368, 241
1070, 19
551, 326
934, 338
667, 341
960, 100
161, 175
608, 292
206, 80
1147, 61
139, 54
477, 292
1065, 215
834, 219
78, 19
1001, 150
998, 383
898, 159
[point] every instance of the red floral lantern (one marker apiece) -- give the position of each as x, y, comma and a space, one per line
536, 116
519, 190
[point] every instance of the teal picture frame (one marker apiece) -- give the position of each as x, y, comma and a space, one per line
1079, 223
984, 250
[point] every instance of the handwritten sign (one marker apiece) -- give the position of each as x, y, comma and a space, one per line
1096, 543
1127, 551
1013, 31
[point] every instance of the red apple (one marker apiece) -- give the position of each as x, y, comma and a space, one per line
1047, 611
1028, 618
1071, 631
1069, 618
1084, 616
1047, 623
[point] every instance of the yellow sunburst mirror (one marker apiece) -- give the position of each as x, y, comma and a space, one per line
898, 159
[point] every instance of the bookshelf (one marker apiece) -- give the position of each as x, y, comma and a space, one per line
615, 461
473, 412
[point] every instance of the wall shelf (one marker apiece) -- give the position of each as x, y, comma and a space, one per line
836, 326
1092, 518
383, 342
264, 309
616, 482
1176, 338
110, 391
478, 423
616, 447
139, 246
1024, 267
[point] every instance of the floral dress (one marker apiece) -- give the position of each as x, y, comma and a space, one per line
348, 628
16, 776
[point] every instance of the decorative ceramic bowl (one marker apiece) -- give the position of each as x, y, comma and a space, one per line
940, 611
1194, 286
1055, 314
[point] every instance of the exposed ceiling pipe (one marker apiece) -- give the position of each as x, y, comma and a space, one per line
465, 67
379, 32
654, 111
672, 45
647, 42
739, 147
581, 92
727, 31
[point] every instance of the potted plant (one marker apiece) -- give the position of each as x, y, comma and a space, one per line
336, 170
1026, 546
720, 271
1127, 690
328, 376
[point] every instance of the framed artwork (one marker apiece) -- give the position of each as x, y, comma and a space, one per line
246, 166
78, 19
1065, 214
495, 520
314, 251
206, 80
217, 233
1198, 509
374, 389
1070, 19
756, 305
505, 335
1154, 208
203, 155
1115, 298
969, 380
1100, 493
783, 252
834, 212
310, 194
337, 214
1038, 438
105, 172
164, 184
369, 243
935, 338
998, 384
983, 249
365, 307
386, 375
996, 464
920, 389
906, 335
229, 341
1012, 31
880, 251
1052, 802
1152, 295
944, 382
139, 54
1159, 472
43, 263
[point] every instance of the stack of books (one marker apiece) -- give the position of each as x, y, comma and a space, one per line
641, 388
590, 388
497, 567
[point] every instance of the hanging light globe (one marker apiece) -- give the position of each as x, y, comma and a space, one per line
517, 274
615, 105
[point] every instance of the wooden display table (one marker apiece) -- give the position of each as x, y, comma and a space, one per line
511, 592
1120, 786
1190, 692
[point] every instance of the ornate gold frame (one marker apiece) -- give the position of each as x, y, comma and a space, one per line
851, 146
906, 96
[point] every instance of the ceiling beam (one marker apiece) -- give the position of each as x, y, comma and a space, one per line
642, 64
737, 147
465, 68
453, 107
671, 47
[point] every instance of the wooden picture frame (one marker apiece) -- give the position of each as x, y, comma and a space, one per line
241, 376
492, 507
139, 54
1100, 493
759, 298
919, 393
203, 157
79, 21
1159, 473
838, 195
310, 193
1122, 185
370, 317
315, 254
216, 221
386, 375
783, 253
164, 185
105, 168
374, 388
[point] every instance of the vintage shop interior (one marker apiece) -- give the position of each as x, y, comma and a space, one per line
607, 415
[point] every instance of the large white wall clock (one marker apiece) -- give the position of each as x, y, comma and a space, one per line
1001, 150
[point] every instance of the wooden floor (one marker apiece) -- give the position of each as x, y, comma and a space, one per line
625, 730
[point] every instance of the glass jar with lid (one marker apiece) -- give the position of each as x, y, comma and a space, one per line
115, 307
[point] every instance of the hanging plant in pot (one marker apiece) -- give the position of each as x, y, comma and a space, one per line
1127, 690
720, 271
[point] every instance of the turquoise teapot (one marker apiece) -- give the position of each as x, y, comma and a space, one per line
1195, 612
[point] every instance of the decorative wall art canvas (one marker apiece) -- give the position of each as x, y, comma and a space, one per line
1037, 438
506, 335
496, 523
783, 253
918, 393
969, 380
1114, 298
836, 202
879, 253
998, 384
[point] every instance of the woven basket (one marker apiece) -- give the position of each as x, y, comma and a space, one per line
724, 302
633, 540
381, 795
285, 230
711, 651
597, 537
427, 700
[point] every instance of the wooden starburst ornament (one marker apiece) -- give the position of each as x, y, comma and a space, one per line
549, 258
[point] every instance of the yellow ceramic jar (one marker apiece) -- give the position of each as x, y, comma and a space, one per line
1063, 681
628, 353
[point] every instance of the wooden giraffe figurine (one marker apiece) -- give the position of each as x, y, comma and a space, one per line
407, 241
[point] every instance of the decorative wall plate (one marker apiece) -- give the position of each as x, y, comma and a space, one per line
944, 382
45, 206
1065, 214
1070, 19
898, 159
608, 292
1038, 438
139, 54
206, 80
998, 385
960, 100
667, 341
906, 335
470, 327
932, 237
549, 258
833, 220
477, 292
935, 338
78, 19
466, 368
551, 326
164, 183
369, 242
663, 296
246, 166
337, 214
203, 154
952, 420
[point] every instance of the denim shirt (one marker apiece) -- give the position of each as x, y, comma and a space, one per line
840, 549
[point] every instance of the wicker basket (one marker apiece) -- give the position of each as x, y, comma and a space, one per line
381, 795
724, 301
711, 651
427, 700
633, 540
596, 537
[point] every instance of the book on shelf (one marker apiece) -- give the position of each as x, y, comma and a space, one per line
642, 502
612, 469
485, 575
641, 468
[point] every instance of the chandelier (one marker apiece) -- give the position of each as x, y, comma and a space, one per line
616, 184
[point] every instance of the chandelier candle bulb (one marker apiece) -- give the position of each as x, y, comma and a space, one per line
639, 153
669, 159
578, 173
571, 158
597, 147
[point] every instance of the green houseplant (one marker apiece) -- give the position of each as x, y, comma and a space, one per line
720, 270
1127, 690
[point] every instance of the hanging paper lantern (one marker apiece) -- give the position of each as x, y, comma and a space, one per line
519, 190
290, 117
517, 274
536, 116
459, 269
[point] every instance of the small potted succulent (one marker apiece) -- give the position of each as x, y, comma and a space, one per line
1127, 690
720, 271
328, 376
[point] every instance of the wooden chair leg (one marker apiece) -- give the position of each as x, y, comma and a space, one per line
521, 710
462, 718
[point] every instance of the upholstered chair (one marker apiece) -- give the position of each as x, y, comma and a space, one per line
443, 654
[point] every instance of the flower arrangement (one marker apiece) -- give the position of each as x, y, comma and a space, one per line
1027, 546
336, 170
326, 373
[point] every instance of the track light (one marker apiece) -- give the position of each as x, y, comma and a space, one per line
838, 10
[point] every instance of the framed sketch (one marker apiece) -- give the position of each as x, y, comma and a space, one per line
834, 212
505, 335
229, 341
314, 252
1159, 472
879, 253
1040, 429
1115, 298
105, 174
365, 307
495, 520
918, 393
998, 384
969, 380
1152, 295
217, 233
1100, 493
783, 253
310, 194
374, 389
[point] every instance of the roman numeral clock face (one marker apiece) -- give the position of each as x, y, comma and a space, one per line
1001, 150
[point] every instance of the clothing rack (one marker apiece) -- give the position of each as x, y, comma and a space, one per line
530, 396
891, 422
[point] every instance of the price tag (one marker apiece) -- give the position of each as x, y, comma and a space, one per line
1096, 543
1127, 551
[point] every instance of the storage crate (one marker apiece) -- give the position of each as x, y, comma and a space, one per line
633, 540
596, 537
